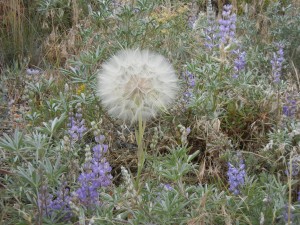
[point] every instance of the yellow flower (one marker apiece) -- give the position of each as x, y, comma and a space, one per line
80, 89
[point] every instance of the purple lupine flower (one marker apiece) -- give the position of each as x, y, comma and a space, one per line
56, 206
167, 187
286, 213
276, 62
76, 124
190, 80
210, 32
295, 167
61, 203
227, 25
236, 176
188, 130
96, 174
191, 22
290, 107
44, 200
239, 62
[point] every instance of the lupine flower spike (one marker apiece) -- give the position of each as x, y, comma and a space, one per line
95, 174
290, 107
227, 25
276, 62
293, 167
236, 176
190, 81
76, 124
239, 62
55, 206
131, 193
210, 32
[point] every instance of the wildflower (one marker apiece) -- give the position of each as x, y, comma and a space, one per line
236, 176
190, 81
44, 199
286, 213
227, 25
66, 144
290, 107
154, 140
239, 62
136, 83
168, 187
96, 174
210, 31
76, 124
293, 169
276, 62
61, 203
55, 207
192, 22
131, 194
80, 89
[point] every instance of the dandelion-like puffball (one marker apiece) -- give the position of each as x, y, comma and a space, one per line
136, 83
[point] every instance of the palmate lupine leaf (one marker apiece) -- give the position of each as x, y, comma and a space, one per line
12, 144
53, 125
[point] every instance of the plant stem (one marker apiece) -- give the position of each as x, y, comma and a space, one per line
278, 108
290, 169
140, 153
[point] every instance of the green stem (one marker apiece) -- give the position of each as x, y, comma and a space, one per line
140, 153
290, 189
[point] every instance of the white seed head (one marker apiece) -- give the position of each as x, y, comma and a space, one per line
135, 82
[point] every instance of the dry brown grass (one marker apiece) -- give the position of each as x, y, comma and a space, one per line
12, 17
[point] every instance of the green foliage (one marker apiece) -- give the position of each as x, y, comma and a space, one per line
184, 179
290, 33
13, 144
175, 165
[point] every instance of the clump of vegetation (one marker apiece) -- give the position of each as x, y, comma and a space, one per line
149, 112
